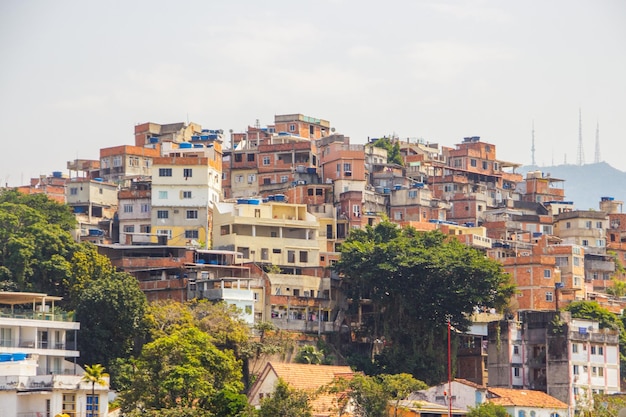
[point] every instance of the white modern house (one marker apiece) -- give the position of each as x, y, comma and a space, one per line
38, 373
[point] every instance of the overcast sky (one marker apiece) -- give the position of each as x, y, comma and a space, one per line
76, 76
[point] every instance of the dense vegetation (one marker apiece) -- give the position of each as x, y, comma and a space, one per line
415, 282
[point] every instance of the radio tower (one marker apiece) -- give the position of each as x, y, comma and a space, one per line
532, 148
581, 153
596, 157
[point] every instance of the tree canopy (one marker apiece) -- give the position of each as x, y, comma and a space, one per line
183, 369
487, 410
110, 312
393, 150
413, 283
285, 402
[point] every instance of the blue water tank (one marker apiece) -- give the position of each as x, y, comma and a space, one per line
198, 145
57, 174
98, 179
185, 145
279, 197
154, 140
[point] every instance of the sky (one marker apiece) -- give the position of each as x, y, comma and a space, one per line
77, 76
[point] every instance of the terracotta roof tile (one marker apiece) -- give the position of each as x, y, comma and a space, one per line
524, 398
307, 377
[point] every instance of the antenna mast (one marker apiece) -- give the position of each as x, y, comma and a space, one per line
532, 148
597, 158
581, 154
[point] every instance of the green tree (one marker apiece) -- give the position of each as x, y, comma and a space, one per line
286, 402
487, 410
183, 369
110, 311
94, 374
399, 386
34, 253
415, 282
53, 212
393, 150
309, 354
370, 399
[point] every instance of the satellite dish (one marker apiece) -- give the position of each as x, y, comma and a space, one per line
332, 129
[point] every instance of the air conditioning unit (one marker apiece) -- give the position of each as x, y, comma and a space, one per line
525, 253
307, 293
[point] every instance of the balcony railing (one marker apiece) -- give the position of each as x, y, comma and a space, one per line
35, 315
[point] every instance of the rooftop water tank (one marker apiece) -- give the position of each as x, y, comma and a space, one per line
185, 145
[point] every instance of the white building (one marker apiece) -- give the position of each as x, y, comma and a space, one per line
37, 375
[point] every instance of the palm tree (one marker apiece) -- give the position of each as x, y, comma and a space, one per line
94, 374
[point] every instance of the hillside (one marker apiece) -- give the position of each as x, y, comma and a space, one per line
586, 184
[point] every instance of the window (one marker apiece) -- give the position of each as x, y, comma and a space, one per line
145, 228
5, 337
129, 229
577, 281
277, 251
191, 234
163, 214
133, 161
238, 157
73, 191
347, 167
599, 225
145, 208
412, 194
568, 225
264, 254
284, 179
516, 350
547, 273
574, 347
600, 371
69, 404
162, 195
186, 194
165, 172
600, 350
250, 157
585, 242
251, 178
521, 413
397, 215
588, 224
187, 172
128, 208
576, 370
100, 190
576, 261
516, 372
165, 232
549, 296
266, 160
238, 178
117, 161
473, 162
485, 165
600, 243
292, 128
561, 261
291, 256
304, 256
93, 408
192, 214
